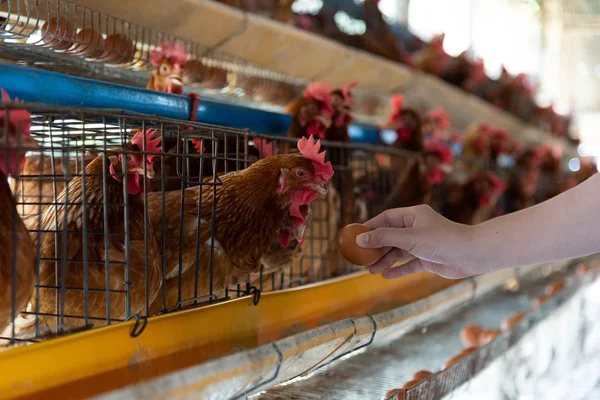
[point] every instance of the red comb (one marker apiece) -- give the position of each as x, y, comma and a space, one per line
319, 91
485, 129
588, 162
197, 145
346, 89
519, 147
478, 67
556, 151
539, 153
310, 150
438, 38
501, 133
168, 51
523, 80
397, 103
265, 148
441, 149
477, 72
443, 118
498, 184
21, 119
546, 150
152, 145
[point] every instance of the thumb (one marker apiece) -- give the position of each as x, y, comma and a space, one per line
402, 238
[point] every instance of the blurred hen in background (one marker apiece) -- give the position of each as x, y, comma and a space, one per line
18, 259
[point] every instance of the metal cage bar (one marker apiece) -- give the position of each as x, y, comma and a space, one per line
94, 241
124, 228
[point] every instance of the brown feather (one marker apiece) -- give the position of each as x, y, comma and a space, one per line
40, 182
70, 217
249, 213
411, 189
10, 223
462, 203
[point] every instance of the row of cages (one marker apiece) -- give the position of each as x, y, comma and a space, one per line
122, 216
363, 25
66, 37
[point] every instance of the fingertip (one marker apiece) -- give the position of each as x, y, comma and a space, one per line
393, 273
363, 239
410, 267
376, 269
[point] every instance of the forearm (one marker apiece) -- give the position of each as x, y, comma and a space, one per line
566, 226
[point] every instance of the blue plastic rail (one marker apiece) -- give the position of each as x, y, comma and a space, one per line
59, 89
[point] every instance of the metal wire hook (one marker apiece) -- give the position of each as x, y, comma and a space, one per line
255, 292
271, 379
359, 347
137, 330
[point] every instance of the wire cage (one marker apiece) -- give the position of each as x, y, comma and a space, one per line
64, 36
108, 249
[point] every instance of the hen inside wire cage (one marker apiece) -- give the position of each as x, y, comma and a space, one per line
64, 36
124, 216
204, 214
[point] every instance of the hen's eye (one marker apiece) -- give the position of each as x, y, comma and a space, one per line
129, 157
300, 173
164, 69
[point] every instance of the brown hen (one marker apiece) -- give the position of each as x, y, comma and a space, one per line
40, 182
167, 75
90, 263
473, 201
415, 184
17, 260
253, 209
343, 103
311, 113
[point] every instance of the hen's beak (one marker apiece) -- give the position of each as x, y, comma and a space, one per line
149, 173
446, 168
298, 233
325, 121
319, 187
176, 78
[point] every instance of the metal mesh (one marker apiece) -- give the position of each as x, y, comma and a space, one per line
102, 256
370, 373
98, 260
64, 36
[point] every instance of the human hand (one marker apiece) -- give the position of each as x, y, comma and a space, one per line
440, 245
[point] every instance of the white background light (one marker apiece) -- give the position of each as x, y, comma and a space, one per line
584, 150
307, 6
349, 25
574, 164
481, 25
582, 69
389, 136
